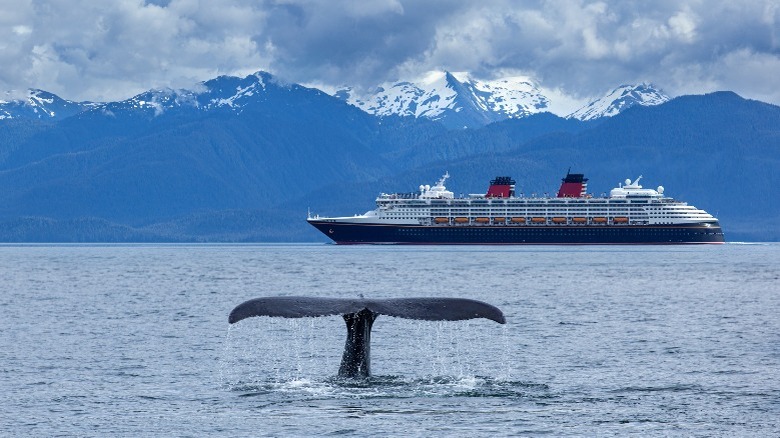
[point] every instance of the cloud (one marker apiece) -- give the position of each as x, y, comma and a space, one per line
112, 50
750, 74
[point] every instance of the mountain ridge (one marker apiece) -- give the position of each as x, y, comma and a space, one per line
40, 104
456, 100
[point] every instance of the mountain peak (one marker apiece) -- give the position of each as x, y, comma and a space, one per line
619, 100
455, 99
39, 104
223, 92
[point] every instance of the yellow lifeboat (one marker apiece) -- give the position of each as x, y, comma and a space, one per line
538, 220
481, 220
620, 220
461, 220
518, 220
599, 220
499, 220
559, 220
441, 220
579, 220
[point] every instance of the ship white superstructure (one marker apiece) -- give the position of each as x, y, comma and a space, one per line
627, 204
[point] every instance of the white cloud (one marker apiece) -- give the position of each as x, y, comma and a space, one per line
21, 30
83, 49
683, 25
562, 103
105, 51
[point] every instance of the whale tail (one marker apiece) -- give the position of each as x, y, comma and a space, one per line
360, 314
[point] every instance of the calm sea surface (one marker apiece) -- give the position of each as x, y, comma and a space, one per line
600, 341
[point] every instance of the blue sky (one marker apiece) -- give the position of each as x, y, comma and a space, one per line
110, 50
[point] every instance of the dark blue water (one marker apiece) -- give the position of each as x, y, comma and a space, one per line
599, 341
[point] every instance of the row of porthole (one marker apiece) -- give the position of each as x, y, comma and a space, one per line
558, 232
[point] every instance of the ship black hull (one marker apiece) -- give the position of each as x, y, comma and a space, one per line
346, 233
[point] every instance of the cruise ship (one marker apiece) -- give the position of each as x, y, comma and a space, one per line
630, 214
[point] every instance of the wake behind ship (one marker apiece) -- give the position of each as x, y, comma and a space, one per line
630, 214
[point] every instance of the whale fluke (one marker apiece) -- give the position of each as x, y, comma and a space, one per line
431, 309
359, 315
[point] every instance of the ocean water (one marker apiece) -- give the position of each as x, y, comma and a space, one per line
133, 340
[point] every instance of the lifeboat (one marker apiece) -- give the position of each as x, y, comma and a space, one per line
620, 220
461, 220
559, 220
579, 220
481, 220
518, 220
538, 220
499, 220
599, 220
441, 220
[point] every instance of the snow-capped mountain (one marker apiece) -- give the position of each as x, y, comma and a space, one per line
458, 100
454, 99
222, 93
40, 104
619, 100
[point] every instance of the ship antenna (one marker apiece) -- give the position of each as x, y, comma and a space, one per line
443, 178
